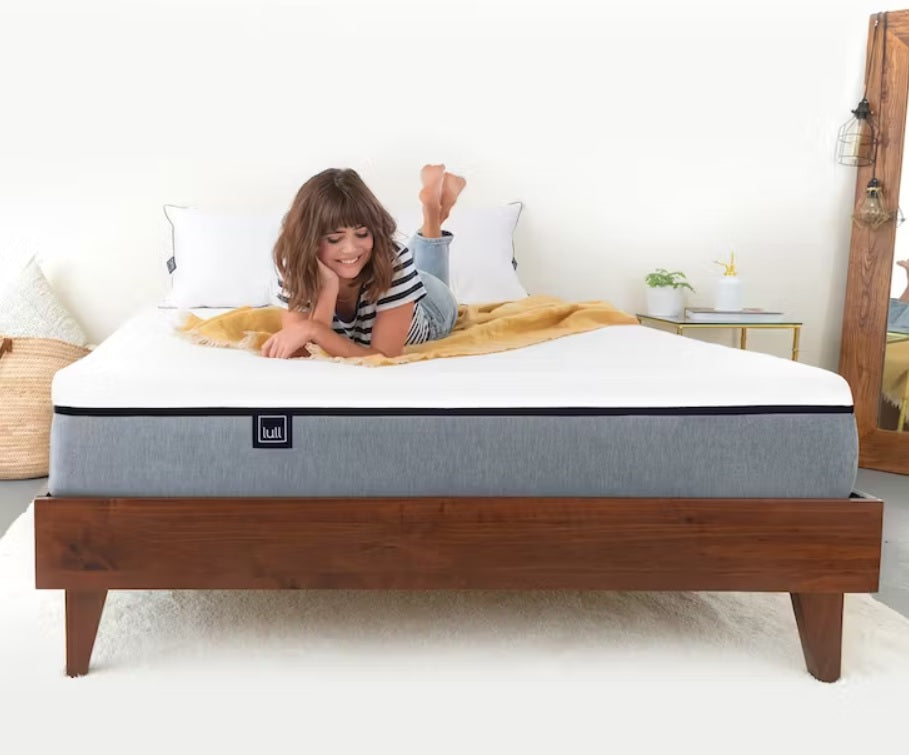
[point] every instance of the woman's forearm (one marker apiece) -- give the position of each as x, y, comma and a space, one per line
324, 311
290, 318
340, 346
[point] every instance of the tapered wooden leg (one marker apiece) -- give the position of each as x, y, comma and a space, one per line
83, 613
820, 620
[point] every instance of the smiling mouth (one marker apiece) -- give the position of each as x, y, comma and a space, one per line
351, 261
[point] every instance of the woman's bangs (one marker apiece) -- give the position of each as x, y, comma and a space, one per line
345, 213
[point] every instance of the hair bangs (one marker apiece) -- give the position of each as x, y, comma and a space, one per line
344, 211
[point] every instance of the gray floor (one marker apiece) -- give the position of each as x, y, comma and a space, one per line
15, 496
893, 490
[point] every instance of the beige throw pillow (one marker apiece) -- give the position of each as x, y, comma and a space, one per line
30, 309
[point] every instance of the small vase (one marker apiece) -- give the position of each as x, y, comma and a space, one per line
664, 301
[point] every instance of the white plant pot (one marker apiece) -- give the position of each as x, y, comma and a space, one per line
665, 301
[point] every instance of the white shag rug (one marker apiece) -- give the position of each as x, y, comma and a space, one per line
437, 672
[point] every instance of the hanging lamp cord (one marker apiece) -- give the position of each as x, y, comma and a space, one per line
868, 63
880, 94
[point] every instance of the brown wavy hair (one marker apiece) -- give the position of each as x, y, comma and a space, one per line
332, 199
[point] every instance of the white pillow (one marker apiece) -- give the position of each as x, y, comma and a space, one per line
481, 262
30, 309
221, 258
224, 259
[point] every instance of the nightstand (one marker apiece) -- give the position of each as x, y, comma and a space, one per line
680, 324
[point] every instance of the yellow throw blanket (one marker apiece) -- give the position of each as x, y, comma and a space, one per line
480, 329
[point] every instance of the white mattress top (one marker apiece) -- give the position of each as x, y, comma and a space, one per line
146, 364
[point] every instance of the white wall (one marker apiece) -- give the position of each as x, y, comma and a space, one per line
637, 134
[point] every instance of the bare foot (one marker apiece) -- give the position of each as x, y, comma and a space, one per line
431, 178
452, 186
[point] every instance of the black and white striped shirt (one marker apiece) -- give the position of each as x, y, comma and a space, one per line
406, 286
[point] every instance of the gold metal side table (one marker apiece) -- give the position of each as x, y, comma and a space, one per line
680, 324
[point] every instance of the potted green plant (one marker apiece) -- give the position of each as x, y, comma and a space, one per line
665, 295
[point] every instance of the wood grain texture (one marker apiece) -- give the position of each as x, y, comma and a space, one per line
819, 617
786, 545
83, 614
871, 254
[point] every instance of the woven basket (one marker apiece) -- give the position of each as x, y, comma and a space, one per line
27, 366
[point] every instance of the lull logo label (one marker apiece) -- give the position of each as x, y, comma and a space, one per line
272, 431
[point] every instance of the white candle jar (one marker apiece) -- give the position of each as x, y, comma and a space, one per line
729, 293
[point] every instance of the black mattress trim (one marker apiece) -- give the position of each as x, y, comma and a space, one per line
560, 411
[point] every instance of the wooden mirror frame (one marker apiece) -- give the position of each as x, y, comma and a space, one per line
871, 252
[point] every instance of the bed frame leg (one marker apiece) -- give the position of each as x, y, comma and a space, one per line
820, 620
83, 613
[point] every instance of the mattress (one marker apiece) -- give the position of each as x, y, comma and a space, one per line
620, 411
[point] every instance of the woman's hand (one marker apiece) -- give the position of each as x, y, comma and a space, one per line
327, 276
290, 340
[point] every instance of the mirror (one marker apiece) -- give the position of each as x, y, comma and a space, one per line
871, 348
894, 405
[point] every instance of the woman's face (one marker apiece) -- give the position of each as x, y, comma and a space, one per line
346, 250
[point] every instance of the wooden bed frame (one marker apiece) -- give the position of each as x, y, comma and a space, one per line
815, 549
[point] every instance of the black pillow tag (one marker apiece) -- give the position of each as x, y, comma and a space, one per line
272, 431
171, 264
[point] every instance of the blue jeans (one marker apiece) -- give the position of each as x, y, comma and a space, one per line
898, 317
430, 256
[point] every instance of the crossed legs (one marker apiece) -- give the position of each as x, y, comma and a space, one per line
439, 193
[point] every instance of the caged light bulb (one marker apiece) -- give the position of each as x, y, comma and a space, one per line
871, 212
856, 138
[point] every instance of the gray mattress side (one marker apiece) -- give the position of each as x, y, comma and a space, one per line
778, 455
